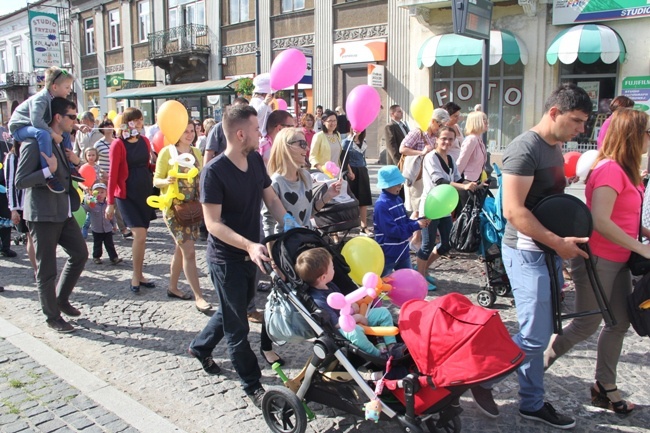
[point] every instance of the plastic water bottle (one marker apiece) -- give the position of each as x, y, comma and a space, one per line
290, 222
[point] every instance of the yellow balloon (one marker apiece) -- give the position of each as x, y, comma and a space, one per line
172, 119
422, 111
117, 121
95, 112
363, 255
111, 114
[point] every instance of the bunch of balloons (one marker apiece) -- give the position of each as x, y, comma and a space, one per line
440, 201
164, 201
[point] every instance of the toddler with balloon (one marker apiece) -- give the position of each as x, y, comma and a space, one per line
315, 267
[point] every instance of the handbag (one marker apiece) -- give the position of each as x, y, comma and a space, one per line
283, 322
190, 212
638, 306
638, 264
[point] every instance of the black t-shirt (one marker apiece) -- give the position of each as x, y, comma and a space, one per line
240, 195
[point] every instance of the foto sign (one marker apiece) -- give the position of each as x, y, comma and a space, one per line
44, 35
472, 18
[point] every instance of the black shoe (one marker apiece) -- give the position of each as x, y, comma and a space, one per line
208, 364
69, 310
135, 289
257, 396
548, 415
8, 253
76, 176
148, 284
279, 360
60, 325
127, 235
54, 185
485, 401
2, 289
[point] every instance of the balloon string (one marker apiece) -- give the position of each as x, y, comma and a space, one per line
346, 154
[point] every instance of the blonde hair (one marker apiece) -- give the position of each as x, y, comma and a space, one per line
280, 160
475, 123
91, 149
55, 74
207, 125
312, 264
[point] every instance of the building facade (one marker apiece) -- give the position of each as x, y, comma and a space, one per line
19, 79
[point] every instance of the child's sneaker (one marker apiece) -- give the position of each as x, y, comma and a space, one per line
75, 175
54, 185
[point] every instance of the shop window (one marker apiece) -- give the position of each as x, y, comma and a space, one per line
89, 27
238, 11
462, 85
599, 80
292, 5
114, 28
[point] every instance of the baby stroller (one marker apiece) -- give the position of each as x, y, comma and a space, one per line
341, 214
493, 226
424, 390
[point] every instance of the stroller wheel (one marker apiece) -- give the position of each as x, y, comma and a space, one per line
283, 411
486, 298
451, 425
502, 290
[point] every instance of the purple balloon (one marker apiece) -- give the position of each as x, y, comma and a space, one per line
362, 106
407, 284
288, 68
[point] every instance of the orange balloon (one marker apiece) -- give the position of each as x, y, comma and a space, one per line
172, 119
88, 173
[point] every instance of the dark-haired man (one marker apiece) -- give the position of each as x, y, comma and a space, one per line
49, 218
233, 186
215, 142
533, 168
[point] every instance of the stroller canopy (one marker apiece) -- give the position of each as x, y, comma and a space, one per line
454, 342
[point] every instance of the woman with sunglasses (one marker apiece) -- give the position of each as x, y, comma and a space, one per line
291, 181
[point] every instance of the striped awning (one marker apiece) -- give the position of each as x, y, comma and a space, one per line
445, 50
587, 43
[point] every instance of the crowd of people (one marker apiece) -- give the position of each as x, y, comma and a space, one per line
255, 179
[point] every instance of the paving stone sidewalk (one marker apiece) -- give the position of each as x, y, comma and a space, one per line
138, 343
33, 399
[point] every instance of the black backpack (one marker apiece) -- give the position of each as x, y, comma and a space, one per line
466, 231
638, 306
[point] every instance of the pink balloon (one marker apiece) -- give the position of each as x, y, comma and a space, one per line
407, 284
362, 106
288, 68
282, 104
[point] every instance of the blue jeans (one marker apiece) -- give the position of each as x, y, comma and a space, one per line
376, 317
234, 283
402, 262
443, 225
44, 140
531, 288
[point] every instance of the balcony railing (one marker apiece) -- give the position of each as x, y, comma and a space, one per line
191, 38
14, 79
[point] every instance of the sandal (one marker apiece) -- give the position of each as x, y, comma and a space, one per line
600, 399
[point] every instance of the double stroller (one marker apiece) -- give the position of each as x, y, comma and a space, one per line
452, 346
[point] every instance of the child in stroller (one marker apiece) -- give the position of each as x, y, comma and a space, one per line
425, 395
316, 268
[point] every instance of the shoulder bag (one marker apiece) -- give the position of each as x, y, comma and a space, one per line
638, 264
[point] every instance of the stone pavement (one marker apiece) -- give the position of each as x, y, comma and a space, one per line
136, 344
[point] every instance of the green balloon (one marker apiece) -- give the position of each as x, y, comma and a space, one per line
80, 216
440, 201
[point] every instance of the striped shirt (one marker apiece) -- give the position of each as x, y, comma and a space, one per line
15, 196
103, 148
417, 139
393, 228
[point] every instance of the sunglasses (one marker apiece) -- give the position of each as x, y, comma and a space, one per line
71, 116
59, 75
302, 143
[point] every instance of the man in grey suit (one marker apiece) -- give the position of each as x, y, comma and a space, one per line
50, 220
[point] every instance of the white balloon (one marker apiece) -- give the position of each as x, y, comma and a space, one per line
585, 162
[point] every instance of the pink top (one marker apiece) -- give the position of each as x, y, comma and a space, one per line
602, 132
626, 212
473, 156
